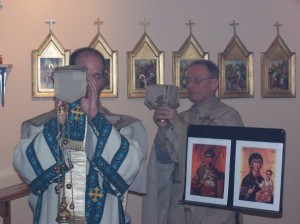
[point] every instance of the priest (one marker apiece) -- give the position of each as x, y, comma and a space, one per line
80, 160
167, 162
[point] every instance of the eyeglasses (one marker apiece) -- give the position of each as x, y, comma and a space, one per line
97, 76
197, 81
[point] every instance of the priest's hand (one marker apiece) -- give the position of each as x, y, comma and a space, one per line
165, 115
89, 103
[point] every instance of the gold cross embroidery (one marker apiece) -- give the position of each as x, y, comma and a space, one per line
77, 112
97, 194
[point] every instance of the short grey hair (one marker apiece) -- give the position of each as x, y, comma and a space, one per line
211, 67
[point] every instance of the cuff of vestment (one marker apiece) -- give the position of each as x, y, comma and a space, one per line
41, 183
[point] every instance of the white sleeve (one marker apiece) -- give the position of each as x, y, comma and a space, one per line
129, 146
23, 160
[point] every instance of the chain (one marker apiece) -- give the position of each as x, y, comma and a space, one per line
70, 185
63, 214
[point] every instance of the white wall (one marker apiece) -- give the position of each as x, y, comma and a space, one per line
23, 29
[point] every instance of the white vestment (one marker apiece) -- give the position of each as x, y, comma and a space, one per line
131, 171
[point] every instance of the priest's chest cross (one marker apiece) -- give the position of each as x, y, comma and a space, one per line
77, 112
95, 194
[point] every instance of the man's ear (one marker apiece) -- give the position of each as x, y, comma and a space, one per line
214, 83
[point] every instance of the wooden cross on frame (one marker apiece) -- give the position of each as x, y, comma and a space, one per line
234, 24
190, 24
98, 22
50, 22
145, 24
277, 25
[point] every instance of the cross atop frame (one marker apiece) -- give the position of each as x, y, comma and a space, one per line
277, 25
98, 22
190, 24
145, 24
50, 22
234, 24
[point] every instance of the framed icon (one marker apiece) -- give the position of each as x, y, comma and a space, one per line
238, 168
258, 175
236, 70
45, 59
278, 69
188, 52
208, 163
111, 63
145, 67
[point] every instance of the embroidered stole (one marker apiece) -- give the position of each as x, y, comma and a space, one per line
94, 195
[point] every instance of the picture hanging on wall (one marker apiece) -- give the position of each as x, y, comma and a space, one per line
111, 57
236, 69
145, 67
49, 55
188, 52
278, 68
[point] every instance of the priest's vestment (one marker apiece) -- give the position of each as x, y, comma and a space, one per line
112, 160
